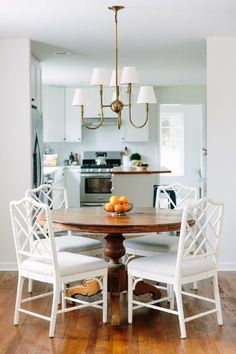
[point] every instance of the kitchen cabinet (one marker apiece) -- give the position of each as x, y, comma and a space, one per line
138, 188
73, 119
58, 181
73, 186
36, 83
54, 129
62, 121
92, 110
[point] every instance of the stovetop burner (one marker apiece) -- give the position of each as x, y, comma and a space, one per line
113, 159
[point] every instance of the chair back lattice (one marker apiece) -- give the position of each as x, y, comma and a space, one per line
55, 197
200, 231
175, 196
29, 232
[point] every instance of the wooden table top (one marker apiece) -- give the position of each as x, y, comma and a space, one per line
96, 219
132, 170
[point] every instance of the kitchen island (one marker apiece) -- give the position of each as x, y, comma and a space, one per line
136, 184
134, 170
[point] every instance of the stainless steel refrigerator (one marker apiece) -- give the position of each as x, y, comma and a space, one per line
37, 147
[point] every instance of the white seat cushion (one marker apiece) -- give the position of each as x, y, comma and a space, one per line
69, 264
74, 244
164, 264
153, 243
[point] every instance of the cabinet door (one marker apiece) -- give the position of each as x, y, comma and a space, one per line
58, 181
73, 119
33, 83
36, 83
93, 110
129, 132
73, 187
54, 114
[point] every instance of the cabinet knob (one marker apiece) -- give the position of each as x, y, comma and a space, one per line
64, 138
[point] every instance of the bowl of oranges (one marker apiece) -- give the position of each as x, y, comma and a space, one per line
118, 205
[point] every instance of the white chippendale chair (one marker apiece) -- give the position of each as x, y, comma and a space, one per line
43, 263
56, 197
173, 196
195, 260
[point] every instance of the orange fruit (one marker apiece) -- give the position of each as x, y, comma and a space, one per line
123, 199
114, 200
118, 208
126, 208
109, 207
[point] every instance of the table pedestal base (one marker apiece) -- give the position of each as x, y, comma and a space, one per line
117, 276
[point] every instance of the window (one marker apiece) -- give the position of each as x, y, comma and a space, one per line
171, 139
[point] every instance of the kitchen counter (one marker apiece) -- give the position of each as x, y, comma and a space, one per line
133, 170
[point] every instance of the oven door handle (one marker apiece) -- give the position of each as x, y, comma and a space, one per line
101, 175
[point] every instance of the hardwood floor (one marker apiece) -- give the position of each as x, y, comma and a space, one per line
83, 331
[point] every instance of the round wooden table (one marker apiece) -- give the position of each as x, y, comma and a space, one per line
97, 220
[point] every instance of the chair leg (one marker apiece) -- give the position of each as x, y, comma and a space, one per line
56, 292
18, 299
171, 294
130, 298
180, 311
217, 299
30, 286
104, 298
63, 293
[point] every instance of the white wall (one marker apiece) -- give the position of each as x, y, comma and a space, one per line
15, 159
221, 128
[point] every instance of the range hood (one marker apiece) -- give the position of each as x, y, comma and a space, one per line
108, 121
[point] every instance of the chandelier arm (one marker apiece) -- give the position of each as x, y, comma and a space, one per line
145, 122
83, 120
119, 120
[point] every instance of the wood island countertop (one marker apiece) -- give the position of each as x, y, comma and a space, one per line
133, 170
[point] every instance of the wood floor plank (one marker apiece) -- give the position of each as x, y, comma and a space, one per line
82, 332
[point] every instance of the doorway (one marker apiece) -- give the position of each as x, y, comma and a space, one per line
182, 145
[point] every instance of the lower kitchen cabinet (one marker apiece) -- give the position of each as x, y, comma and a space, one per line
58, 181
73, 186
138, 188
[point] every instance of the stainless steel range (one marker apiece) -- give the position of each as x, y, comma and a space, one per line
96, 177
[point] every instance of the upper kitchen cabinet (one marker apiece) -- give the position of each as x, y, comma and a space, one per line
129, 133
93, 110
36, 83
61, 120
54, 122
73, 120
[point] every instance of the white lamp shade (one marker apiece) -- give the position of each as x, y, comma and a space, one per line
146, 95
81, 98
113, 78
99, 77
129, 75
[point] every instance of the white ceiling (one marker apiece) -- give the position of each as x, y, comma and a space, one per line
164, 39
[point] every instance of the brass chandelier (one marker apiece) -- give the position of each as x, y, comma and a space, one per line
128, 77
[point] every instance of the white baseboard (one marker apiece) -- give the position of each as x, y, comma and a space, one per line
227, 266
4, 266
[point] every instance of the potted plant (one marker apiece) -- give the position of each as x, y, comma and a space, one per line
135, 158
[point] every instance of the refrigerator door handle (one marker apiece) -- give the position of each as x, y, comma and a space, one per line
37, 164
